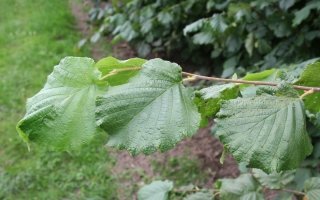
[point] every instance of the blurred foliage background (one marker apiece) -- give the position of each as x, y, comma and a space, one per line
227, 36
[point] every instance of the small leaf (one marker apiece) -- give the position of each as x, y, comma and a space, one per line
144, 49
61, 115
218, 23
81, 43
268, 132
207, 100
302, 174
157, 190
274, 180
203, 195
204, 37
95, 37
249, 43
305, 12
164, 18
224, 153
154, 110
286, 4
195, 26
311, 77
312, 188
107, 65
244, 187
146, 27
248, 91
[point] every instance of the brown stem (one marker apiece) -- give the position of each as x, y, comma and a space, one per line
315, 89
293, 191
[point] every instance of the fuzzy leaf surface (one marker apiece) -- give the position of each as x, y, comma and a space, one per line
245, 187
274, 180
248, 90
268, 132
312, 188
207, 99
203, 195
61, 116
154, 110
109, 64
311, 77
157, 190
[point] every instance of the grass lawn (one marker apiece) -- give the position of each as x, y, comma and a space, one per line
34, 37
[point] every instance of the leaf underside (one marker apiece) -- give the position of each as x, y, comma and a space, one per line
244, 187
274, 180
157, 190
109, 64
312, 188
61, 116
152, 111
207, 100
268, 132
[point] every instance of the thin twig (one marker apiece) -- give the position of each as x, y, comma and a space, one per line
293, 191
306, 93
315, 89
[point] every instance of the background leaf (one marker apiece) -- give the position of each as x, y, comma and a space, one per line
109, 64
61, 115
268, 132
203, 195
218, 23
274, 180
207, 99
153, 110
311, 77
312, 188
245, 187
157, 190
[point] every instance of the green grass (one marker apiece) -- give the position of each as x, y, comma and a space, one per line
34, 37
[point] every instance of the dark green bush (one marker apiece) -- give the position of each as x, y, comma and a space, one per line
233, 36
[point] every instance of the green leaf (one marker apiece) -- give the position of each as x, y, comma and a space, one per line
286, 89
195, 26
204, 37
248, 90
164, 18
153, 110
245, 187
61, 115
284, 196
144, 49
249, 43
218, 23
311, 77
233, 43
312, 188
305, 12
146, 27
274, 180
207, 99
264, 46
286, 4
268, 132
109, 64
302, 174
203, 195
157, 190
